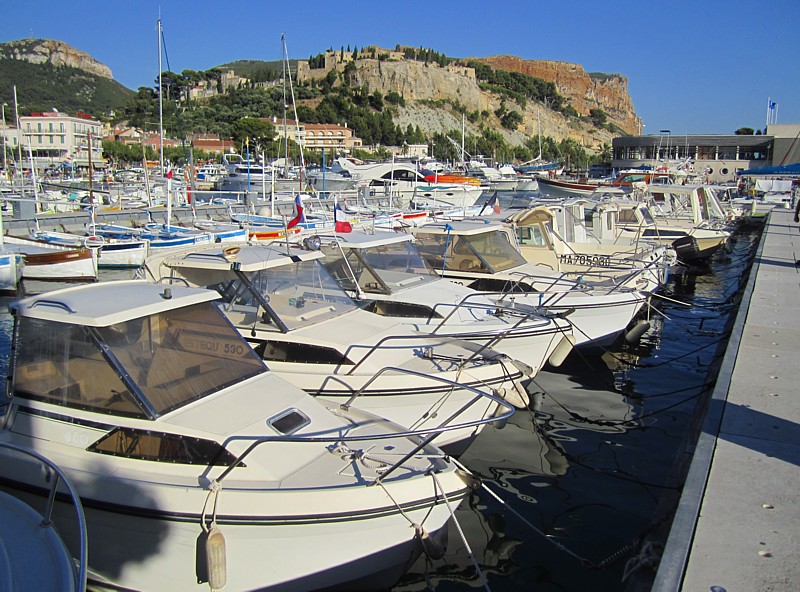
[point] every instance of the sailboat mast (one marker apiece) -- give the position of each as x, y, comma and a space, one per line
463, 139
160, 104
285, 123
19, 127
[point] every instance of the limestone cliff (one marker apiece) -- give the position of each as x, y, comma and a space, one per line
421, 85
57, 53
585, 91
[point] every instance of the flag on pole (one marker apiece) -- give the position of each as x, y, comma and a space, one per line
301, 216
169, 170
341, 224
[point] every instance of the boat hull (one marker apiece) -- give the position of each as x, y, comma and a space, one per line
138, 549
11, 265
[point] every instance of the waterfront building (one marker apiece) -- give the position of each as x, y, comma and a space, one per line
57, 138
316, 136
331, 137
715, 158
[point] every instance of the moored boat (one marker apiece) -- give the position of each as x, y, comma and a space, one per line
311, 333
482, 255
47, 261
196, 464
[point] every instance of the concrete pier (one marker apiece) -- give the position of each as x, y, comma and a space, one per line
737, 528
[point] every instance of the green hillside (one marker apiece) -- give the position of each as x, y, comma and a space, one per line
42, 87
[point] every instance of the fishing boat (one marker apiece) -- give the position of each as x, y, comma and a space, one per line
196, 464
386, 275
112, 252
47, 261
11, 265
552, 187
482, 254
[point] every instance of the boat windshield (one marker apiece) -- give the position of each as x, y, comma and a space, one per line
382, 269
143, 368
488, 252
300, 295
646, 216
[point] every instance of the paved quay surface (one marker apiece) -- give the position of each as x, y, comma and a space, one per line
737, 528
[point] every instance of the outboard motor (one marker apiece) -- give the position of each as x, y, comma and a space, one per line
686, 248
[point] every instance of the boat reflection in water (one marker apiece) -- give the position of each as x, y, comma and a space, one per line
523, 463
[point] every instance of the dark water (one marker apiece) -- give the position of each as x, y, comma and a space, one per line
593, 468
589, 477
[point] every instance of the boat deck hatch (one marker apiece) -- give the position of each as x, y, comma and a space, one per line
289, 421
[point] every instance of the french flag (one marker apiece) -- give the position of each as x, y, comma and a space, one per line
341, 224
301, 216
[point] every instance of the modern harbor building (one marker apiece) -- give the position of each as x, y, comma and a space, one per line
717, 158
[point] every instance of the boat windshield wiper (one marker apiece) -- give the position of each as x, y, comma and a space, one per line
143, 402
262, 301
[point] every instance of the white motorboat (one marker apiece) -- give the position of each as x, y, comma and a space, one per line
570, 238
310, 332
195, 463
405, 186
482, 254
33, 554
693, 241
386, 275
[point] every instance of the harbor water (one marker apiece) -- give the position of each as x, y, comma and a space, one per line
578, 490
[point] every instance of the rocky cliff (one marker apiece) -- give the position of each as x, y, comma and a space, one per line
585, 91
423, 85
57, 53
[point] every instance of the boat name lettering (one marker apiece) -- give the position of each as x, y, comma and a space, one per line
588, 260
77, 438
201, 345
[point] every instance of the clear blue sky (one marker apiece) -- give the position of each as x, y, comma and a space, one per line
699, 66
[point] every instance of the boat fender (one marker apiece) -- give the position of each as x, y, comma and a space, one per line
215, 558
523, 367
432, 547
636, 332
516, 396
561, 351
728, 247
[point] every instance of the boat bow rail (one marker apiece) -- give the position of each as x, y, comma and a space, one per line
425, 436
55, 477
